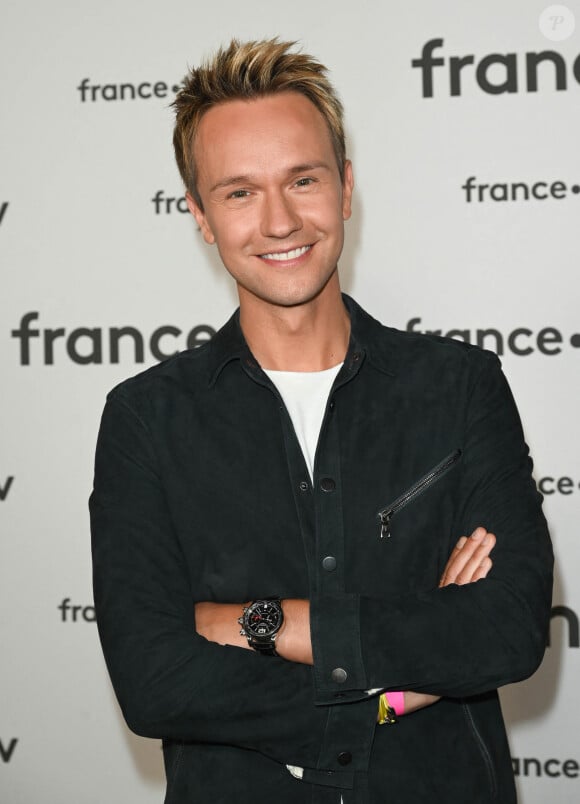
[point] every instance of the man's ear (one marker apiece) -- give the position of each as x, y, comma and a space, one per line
347, 188
200, 218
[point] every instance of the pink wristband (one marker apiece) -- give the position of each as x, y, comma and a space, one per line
397, 701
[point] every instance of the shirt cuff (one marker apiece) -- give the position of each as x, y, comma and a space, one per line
339, 672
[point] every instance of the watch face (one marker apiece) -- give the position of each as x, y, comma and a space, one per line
263, 619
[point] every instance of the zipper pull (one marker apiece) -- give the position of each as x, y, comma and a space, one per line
385, 517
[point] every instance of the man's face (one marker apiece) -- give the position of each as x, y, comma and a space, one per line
273, 200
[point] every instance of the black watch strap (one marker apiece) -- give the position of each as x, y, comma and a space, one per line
263, 648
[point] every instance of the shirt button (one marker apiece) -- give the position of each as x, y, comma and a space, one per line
344, 758
303, 486
339, 675
327, 484
329, 563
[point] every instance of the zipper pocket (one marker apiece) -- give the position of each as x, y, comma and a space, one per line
385, 514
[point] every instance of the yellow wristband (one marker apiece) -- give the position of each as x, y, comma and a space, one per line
386, 712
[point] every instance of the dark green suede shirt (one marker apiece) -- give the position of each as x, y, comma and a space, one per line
202, 493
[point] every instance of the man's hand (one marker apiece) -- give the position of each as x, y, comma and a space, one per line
469, 561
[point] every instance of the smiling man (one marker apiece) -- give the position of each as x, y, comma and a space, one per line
279, 590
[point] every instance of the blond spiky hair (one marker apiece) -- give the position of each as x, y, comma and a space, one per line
247, 70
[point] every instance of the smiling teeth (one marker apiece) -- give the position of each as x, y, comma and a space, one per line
281, 256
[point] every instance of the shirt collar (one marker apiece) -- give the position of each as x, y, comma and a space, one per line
367, 342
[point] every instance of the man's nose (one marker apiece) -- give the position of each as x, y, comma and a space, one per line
280, 217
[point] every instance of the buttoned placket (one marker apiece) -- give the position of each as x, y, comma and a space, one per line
344, 754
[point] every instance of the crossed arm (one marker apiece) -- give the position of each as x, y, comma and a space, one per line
218, 622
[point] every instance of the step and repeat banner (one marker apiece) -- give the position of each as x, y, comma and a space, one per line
463, 125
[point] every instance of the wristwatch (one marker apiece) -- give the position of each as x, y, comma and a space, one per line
261, 621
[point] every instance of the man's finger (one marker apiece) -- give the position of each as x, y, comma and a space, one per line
461, 554
450, 563
472, 566
483, 569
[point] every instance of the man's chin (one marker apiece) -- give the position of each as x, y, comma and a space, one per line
288, 298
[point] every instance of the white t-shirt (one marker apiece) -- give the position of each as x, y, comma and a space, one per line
305, 394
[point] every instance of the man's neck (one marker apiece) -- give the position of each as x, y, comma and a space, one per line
309, 337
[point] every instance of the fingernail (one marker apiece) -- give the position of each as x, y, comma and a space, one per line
477, 534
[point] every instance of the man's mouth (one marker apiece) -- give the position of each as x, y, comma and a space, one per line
285, 256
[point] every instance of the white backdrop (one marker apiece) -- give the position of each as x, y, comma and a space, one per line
85, 248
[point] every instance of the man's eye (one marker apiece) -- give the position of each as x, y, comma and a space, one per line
239, 194
305, 181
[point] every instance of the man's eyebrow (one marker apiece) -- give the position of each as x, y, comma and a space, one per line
308, 166
228, 181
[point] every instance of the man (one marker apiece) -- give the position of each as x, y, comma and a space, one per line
273, 513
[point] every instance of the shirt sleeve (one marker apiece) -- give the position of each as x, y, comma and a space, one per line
170, 682
460, 640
